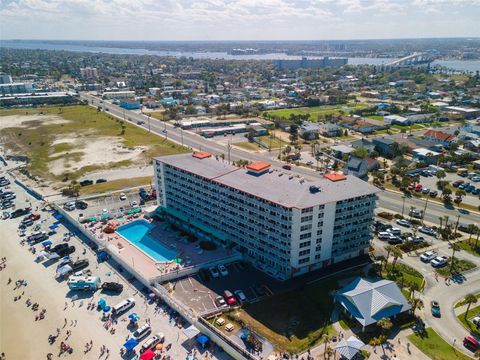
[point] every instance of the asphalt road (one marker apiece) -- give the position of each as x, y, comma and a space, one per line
387, 200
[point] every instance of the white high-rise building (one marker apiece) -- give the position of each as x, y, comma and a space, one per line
88, 73
282, 224
5, 78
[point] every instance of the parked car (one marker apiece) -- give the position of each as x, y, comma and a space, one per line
152, 342
434, 193
415, 213
220, 301
7, 205
287, 167
457, 183
69, 206
395, 231
38, 236
79, 265
20, 212
86, 182
240, 296
425, 191
112, 286
476, 320
403, 222
66, 251
435, 308
99, 181
428, 256
418, 188
465, 228
223, 270
426, 230
142, 332
395, 240
82, 205
59, 247
123, 196
229, 298
214, 272
439, 261
471, 343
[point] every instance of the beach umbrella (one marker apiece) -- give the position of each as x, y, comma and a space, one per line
147, 355
159, 347
130, 344
202, 340
46, 243
178, 260
102, 302
350, 347
134, 317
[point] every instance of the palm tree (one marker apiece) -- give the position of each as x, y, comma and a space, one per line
326, 339
397, 254
329, 352
416, 303
441, 222
469, 299
389, 249
385, 324
412, 287
455, 247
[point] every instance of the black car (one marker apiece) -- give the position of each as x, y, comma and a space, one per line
66, 251
59, 247
86, 182
99, 181
112, 286
7, 205
79, 265
20, 212
82, 205
37, 237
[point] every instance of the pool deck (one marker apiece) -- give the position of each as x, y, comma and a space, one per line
190, 253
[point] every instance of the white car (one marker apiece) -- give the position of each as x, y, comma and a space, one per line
123, 196
395, 231
69, 206
223, 270
476, 179
403, 222
476, 320
214, 272
428, 256
142, 332
426, 230
439, 261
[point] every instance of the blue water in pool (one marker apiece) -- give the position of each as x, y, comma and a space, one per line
136, 233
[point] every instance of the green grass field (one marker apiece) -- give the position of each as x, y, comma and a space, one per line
435, 347
36, 140
315, 111
461, 303
470, 248
115, 185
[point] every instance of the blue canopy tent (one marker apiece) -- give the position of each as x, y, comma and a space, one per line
46, 243
102, 303
130, 344
53, 227
102, 256
58, 216
203, 340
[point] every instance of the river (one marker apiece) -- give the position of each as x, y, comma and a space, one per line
458, 65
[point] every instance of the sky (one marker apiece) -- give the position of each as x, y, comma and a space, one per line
237, 19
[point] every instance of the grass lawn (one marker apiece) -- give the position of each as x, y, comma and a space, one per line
315, 111
376, 117
465, 318
435, 347
407, 127
84, 121
461, 303
470, 248
404, 274
157, 115
292, 321
248, 146
459, 266
274, 142
114, 185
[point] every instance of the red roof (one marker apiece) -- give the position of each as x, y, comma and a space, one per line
439, 135
335, 177
258, 166
201, 154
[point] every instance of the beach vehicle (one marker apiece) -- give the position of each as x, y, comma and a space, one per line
152, 342
37, 236
81, 205
142, 332
123, 306
435, 308
112, 286
66, 251
82, 282
64, 271
59, 247
123, 196
80, 265
20, 212
69, 206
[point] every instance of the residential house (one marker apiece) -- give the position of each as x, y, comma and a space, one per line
472, 145
384, 146
339, 151
425, 156
309, 130
440, 137
363, 143
330, 130
358, 167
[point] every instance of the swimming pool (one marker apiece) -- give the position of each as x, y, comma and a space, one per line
136, 233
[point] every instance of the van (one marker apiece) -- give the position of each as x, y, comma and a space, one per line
471, 343
152, 342
141, 332
123, 306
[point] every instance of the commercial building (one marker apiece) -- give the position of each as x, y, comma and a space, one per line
88, 73
5, 78
305, 63
50, 98
283, 224
130, 104
15, 88
117, 95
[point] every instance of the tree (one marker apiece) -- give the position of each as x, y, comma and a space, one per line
385, 324
441, 174
412, 287
455, 248
326, 339
389, 249
397, 254
469, 300
360, 152
416, 303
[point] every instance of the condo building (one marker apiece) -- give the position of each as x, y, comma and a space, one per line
283, 224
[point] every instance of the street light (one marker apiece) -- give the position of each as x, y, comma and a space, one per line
403, 204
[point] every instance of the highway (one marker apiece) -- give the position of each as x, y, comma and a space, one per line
387, 200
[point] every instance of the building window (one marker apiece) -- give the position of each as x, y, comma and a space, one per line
305, 236
307, 218
318, 248
305, 244
304, 252
304, 260
306, 227
319, 232
307, 210
320, 224
318, 256
320, 216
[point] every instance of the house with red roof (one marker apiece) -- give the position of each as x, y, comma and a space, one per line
439, 137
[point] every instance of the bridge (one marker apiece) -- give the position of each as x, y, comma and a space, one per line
418, 58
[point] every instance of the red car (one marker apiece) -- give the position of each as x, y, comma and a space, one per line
229, 297
418, 188
471, 343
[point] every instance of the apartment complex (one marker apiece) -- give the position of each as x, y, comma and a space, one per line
88, 73
282, 224
305, 63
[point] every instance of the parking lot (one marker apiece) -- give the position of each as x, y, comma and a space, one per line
199, 291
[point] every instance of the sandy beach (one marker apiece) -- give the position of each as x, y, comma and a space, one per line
22, 337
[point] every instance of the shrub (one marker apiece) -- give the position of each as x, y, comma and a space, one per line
398, 216
386, 215
207, 245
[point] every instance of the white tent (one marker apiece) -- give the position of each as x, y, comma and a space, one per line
64, 270
349, 348
191, 331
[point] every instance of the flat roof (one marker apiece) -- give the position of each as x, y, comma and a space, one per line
276, 186
201, 155
258, 166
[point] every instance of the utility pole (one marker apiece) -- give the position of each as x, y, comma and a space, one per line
228, 149
181, 134
424, 210
149, 122
403, 204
